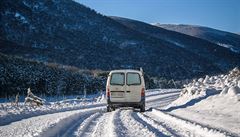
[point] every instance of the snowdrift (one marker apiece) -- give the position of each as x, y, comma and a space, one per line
223, 85
213, 100
10, 113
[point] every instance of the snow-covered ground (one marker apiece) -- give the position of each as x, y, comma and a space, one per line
9, 113
81, 118
206, 107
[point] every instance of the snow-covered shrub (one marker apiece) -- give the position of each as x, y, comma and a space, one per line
226, 84
233, 90
206, 80
224, 91
33, 99
200, 80
211, 80
235, 72
223, 86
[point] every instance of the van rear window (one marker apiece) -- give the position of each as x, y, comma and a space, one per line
117, 79
133, 79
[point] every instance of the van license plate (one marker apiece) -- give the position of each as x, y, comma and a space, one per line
117, 94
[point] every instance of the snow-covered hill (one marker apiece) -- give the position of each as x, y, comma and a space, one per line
218, 55
69, 33
221, 38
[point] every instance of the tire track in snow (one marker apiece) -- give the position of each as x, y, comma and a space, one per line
87, 126
105, 126
111, 125
184, 127
159, 125
161, 101
65, 127
161, 93
228, 133
18, 117
45, 124
134, 127
120, 129
157, 130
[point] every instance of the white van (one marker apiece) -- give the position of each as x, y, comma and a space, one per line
125, 88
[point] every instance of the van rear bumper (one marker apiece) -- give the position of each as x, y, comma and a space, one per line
126, 104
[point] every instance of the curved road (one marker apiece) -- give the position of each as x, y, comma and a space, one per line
96, 122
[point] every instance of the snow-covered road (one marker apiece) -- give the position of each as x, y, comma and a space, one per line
96, 122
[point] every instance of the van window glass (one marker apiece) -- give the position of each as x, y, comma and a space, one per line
133, 79
117, 79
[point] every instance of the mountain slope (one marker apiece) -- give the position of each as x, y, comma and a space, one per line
69, 33
222, 38
17, 74
210, 51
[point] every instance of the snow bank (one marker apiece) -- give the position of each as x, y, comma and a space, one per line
10, 113
213, 100
227, 85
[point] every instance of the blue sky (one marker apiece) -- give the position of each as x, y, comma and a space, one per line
219, 14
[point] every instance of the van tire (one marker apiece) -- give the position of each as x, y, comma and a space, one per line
142, 108
108, 109
113, 108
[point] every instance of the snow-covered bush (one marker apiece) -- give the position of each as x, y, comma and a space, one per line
224, 84
224, 91
234, 90
33, 99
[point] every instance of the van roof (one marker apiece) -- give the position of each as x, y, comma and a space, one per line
125, 70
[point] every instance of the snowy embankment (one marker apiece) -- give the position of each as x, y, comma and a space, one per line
10, 113
213, 102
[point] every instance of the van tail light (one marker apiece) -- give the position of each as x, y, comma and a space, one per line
108, 92
143, 92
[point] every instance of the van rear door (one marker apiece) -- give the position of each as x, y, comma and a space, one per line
133, 87
117, 88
